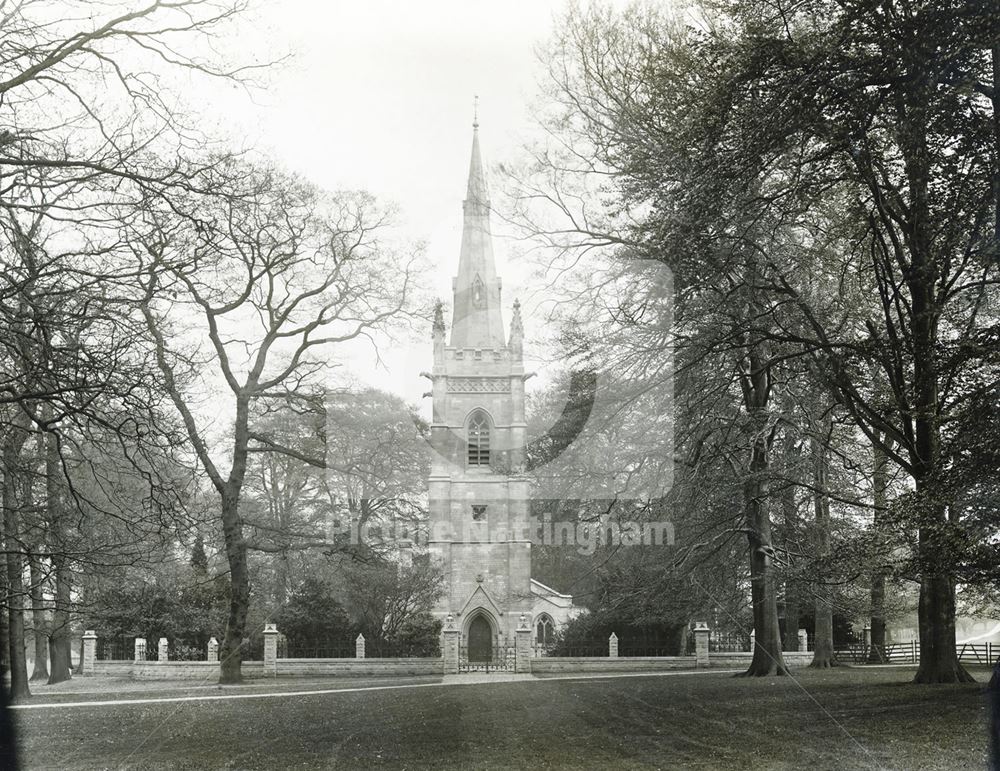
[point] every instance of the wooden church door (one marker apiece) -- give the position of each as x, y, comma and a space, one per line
480, 640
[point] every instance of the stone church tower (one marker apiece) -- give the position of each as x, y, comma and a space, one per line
478, 494
478, 491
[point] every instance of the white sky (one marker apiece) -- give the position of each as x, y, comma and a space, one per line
379, 96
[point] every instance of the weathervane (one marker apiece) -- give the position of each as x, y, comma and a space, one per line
475, 111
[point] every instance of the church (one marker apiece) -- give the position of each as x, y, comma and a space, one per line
479, 527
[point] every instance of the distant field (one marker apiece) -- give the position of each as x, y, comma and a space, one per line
835, 719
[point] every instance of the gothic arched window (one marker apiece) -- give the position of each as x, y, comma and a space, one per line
479, 440
545, 630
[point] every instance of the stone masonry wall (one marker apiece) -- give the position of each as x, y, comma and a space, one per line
547, 665
172, 670
563, 664
209, 670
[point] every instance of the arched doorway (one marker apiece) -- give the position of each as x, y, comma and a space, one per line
480, 639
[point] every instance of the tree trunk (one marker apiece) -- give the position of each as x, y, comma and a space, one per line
60, 644
60, 661
39, 623
281, 573
880, 500
995, 99
993, 688
15, 568
4, 622
790, 520
231, 654
15, 626
823, 652
239, 592
36, 577
938, 657
936, 609
767, 658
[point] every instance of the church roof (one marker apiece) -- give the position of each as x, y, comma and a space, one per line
537, 587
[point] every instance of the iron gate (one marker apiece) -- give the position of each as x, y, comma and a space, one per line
501, 660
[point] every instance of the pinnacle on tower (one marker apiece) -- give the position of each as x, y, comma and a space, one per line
516, 330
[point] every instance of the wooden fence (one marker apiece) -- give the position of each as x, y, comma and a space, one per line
909, 653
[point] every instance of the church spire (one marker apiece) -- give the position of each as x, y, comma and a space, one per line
477, 322
476, 194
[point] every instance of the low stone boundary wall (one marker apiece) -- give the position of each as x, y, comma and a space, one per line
273, 666
209, 670
172, 670
544, 665
737, 659
302, 667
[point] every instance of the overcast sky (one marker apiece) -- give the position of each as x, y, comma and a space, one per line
378, 95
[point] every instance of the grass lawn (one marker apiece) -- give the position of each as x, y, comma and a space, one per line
835, 719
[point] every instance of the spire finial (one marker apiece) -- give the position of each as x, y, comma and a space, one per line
516, 331
475, 111
516, 325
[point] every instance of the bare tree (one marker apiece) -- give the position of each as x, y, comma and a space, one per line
13, 489
86, 96
250, 291
98, 483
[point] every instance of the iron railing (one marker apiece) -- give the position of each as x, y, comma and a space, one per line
187, 650
501, 659
590, 649
116, 649
378, 649
649, 646
123, 649
731, 642
602, 649
315, 649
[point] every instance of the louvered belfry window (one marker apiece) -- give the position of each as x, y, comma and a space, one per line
479, 440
